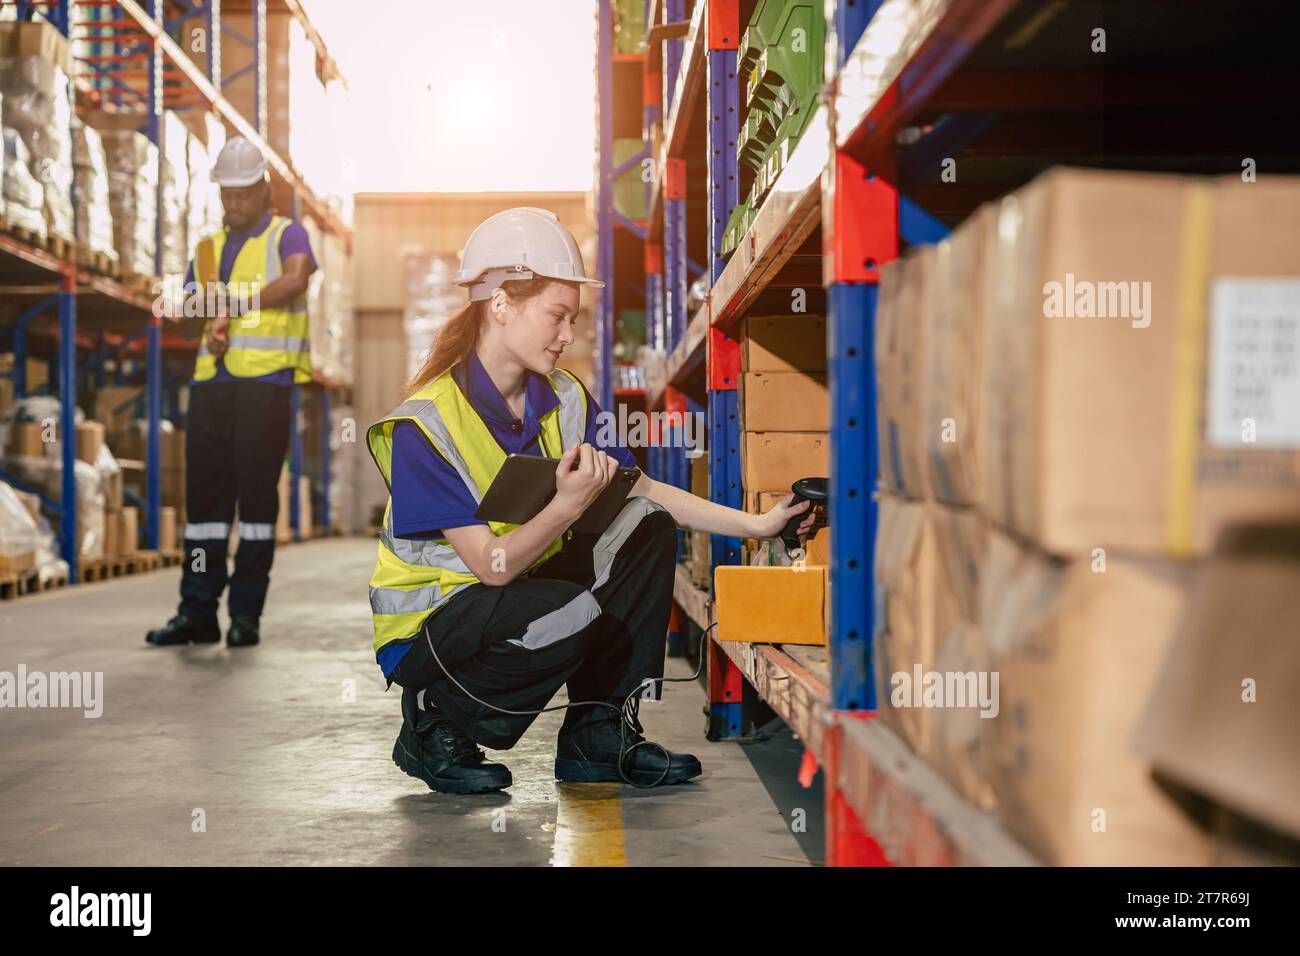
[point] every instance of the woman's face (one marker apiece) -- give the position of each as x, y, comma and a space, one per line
541, 328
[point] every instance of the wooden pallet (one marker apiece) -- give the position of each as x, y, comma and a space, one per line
143, 561
138, 282
100, 569
171, 558
33, 583
97, 262
58, 246
14, 586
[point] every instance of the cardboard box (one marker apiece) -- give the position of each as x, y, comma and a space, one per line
1125, 429
6, 396
699, 466
38, 39
958, 740
770, 605
955, 305
112, 534
90, 440
772, 460
173, 487
25, 440
304, 507
905, 575
784, 402
698, 559
115, 408
784, 343
283, 531
901, 341
128, 535
1223, 717
1077, 651
167, 529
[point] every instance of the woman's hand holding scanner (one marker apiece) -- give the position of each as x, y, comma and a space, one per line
773, 523
583, 473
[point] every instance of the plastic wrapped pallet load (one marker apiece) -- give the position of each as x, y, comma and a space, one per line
175, 174
94, 215
35, 63
24, 196
133, 200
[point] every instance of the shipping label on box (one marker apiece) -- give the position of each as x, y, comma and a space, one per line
1254, 363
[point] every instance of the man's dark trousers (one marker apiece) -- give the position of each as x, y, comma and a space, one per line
234, 450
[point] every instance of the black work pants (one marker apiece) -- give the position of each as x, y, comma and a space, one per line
593, 616
234, 450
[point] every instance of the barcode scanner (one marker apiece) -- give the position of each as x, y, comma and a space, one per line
816, 490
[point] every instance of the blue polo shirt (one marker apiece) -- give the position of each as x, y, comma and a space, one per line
293, 241
428, 493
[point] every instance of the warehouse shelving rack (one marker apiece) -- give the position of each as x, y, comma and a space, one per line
101, 317
1005, 88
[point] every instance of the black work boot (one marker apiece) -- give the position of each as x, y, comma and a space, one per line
432, 749
589, 751
184, 630
243, 631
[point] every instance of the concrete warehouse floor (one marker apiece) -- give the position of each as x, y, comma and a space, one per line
212, 757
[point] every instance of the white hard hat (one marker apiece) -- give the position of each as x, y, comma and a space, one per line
239, 163
520, 243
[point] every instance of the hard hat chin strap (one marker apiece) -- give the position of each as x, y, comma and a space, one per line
491, 280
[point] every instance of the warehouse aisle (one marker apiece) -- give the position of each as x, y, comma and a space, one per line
281, 754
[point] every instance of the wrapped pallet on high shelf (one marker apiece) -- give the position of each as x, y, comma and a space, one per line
197, 207
35, 65
431, 299
24, 196
332, 322
174, 171
94, 215
132, 195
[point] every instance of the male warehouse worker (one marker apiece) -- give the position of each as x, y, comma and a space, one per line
239, 401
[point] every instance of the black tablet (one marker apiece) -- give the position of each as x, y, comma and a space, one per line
526, 483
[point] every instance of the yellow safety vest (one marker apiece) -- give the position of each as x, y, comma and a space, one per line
413, 579
266, 340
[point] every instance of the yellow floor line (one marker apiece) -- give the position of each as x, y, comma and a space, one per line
589, 826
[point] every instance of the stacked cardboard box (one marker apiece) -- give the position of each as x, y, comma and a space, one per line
1079, 389
784, 407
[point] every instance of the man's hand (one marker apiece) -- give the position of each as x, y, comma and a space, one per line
219, 336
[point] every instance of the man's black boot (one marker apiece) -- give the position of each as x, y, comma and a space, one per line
589, 749
184, 630
432, 749
243, 631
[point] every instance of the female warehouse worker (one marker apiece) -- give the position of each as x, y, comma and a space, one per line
481, 622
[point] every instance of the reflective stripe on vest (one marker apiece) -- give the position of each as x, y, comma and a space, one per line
414, 578
268, 340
